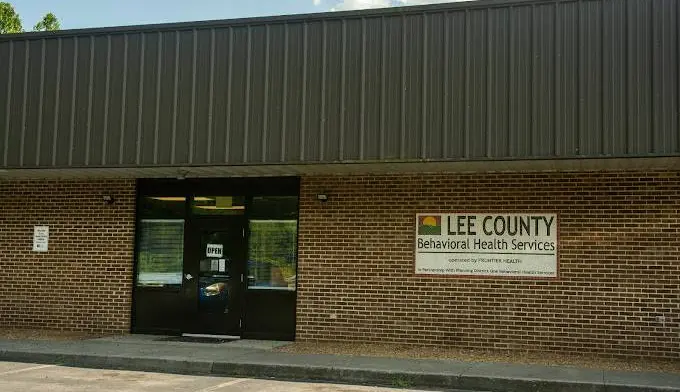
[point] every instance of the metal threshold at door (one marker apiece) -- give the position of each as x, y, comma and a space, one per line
209, 336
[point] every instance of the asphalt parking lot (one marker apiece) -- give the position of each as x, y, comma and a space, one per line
51, 378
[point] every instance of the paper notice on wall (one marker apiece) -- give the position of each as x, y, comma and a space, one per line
223, 265
214, 265
41, 238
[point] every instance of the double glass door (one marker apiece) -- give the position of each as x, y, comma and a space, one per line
213, 276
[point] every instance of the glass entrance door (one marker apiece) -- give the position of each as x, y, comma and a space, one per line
213, 276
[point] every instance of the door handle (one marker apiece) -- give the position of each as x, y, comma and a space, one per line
188, 276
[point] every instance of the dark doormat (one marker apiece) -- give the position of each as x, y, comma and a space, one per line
195, 339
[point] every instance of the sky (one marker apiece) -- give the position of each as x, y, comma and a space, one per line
75, 14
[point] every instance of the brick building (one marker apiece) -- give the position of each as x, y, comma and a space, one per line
493, 174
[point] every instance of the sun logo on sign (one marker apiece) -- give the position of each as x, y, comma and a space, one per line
430, 225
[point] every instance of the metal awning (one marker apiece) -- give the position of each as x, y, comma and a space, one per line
660, 163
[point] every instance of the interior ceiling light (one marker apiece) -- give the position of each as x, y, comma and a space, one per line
180, 198
221, 208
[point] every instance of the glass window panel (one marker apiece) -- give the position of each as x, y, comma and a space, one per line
216, 287
274, 207
160, 252
218, 205
162, 207
272, 254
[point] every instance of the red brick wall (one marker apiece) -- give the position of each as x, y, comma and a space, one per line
84, 282
619, 259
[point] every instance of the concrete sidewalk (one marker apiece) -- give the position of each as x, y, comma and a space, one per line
255, 359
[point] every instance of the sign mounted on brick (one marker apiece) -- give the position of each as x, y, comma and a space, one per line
41, 238
487, 245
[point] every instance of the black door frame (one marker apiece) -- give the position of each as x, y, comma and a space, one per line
189, 188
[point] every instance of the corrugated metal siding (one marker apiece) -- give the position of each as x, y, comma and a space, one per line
548, 79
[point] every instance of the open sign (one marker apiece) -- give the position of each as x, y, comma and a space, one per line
214, 250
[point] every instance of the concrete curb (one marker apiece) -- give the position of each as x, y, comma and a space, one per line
339, 374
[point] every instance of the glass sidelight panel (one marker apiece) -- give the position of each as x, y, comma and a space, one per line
272, 244
160, 246
272, 254
160, 252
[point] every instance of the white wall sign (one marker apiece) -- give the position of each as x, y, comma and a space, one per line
487, 244
214, 250
41, 238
